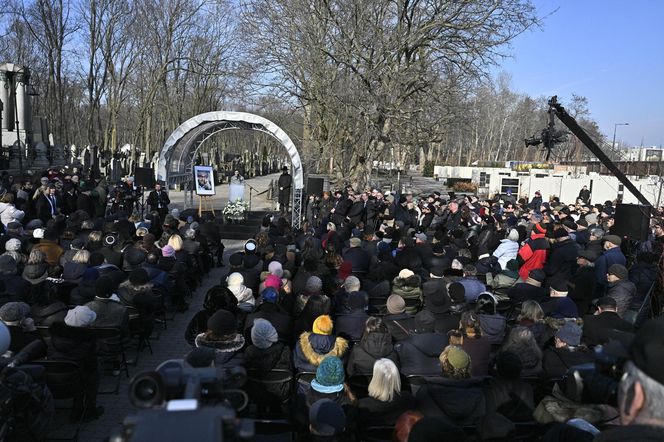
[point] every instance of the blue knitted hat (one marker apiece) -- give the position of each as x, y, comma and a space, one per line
329, 376
270, 295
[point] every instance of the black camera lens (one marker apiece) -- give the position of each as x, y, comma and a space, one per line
146, 390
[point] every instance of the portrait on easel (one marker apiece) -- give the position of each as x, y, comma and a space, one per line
204, 178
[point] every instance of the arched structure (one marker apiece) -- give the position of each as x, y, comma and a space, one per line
177, 157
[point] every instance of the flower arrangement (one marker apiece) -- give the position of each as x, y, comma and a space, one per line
235, 210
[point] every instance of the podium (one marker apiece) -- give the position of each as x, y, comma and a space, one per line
236, 191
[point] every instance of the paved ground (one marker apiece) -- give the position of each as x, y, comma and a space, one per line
219, 200
170, 345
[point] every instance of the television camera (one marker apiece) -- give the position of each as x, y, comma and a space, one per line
181, 402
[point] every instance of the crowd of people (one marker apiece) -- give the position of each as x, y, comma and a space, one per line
70, 266
432, 317
451, 316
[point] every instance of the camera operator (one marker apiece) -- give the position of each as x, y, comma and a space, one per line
641, 390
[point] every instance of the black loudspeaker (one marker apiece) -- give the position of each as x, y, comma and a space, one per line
144, 177
632, 221
315, 186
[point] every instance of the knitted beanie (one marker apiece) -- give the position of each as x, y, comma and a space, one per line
14, 311
273, 281
263, 334
395, 304
270, 295
323, 325
168, 251
80, 316
276, 269
329, 376
235, 279
314, 285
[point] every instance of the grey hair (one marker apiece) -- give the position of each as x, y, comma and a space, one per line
597, 233
352, 284
653, 390
385, 380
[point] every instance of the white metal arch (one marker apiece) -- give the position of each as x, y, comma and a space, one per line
179, 151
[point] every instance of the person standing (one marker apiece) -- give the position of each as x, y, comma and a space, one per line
584, 195
158, 201
285, 183
47, 204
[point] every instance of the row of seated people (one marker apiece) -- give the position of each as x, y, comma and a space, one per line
69, 314
408, 346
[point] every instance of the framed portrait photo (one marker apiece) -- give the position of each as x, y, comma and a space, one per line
204, 179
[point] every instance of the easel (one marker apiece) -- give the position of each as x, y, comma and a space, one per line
205, 203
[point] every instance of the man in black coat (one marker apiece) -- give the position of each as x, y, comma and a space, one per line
562, 260
434, 291
584, 195
47, 204
357, 211
597, 328
351, 325
341, 209
582, 283
285, 183
158, 201
566, 353
358, 257
399, 323
419, 353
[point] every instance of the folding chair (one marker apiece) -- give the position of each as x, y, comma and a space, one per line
111, 354
63, 379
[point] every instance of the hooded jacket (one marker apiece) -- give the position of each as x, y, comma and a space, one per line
506, 251
242, 293
493, 327
35, 273
409, 289
312, 348
226, 353
372, 347
419, 353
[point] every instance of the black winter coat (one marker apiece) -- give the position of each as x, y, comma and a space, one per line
277, 316
351, 325
277, 356
400, 325
596, 328
561, 261
556, 361
375, 412
462, 402
364, 354
419, 353
582, 291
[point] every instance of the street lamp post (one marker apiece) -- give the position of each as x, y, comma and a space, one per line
615, 127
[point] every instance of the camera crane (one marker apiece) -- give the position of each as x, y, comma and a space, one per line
551, 136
